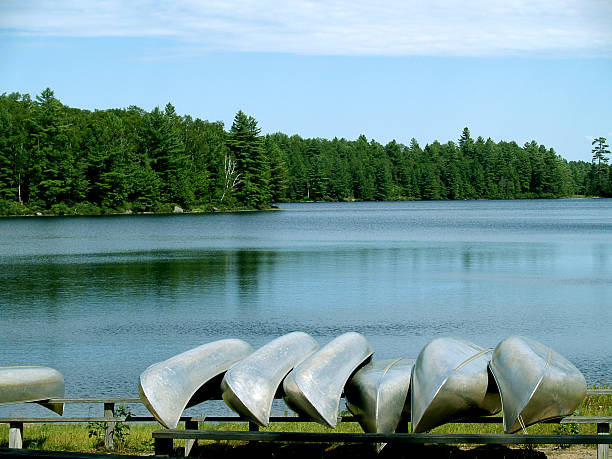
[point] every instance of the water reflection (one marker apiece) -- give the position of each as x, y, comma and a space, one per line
248, 264
118, 294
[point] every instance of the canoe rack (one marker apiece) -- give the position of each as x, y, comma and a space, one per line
163, 438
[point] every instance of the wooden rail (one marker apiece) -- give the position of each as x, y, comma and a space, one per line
16, 424
164, 438
599, 392
191, 425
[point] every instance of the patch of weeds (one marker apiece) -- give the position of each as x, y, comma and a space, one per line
566, 429
97, 430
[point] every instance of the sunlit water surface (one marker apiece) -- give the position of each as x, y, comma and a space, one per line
102, 298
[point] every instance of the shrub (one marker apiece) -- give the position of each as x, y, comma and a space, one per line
60, 209
87, 208
13, 208
97, 430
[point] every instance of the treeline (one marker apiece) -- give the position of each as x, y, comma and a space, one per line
57, 159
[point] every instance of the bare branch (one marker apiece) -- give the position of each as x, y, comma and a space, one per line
232, 177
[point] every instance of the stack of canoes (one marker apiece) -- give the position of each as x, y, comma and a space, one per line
451, 379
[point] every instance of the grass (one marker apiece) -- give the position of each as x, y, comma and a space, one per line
138, 440
75, 437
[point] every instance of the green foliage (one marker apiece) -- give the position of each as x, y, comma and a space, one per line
87, 208
12, 208
566, 429
122, 430
96, 430
60, 160
61, 208
246, 148
601, 174
600, 151
278, 183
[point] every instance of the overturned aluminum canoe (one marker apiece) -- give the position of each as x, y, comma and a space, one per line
450, 381
32, 384
167, 388
314, 387
377, 394
250, 385
535, 382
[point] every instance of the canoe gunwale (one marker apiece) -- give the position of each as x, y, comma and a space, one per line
285, 353
372, 392
522, 425
310, 400
339, 394
185, 403
555, 386
32, 384
168, 387
479, 352
379, 386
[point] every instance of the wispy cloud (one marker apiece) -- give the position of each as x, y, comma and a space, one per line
333, 27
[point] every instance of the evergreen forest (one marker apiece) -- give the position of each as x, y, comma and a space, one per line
60, 160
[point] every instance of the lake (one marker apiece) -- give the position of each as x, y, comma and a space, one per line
102, 298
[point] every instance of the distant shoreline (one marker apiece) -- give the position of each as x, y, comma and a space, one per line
214, 210
127, 214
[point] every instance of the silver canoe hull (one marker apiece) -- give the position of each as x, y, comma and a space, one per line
377, 395
167, 388
250, 385
32, 384
535, 382
314, 387
450, 380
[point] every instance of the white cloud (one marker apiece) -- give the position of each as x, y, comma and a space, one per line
334, 27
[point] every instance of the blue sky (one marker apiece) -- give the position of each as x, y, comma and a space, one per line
509, 70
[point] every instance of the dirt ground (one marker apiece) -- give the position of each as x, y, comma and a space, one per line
574, 452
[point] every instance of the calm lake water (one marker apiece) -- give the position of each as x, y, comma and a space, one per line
102, 298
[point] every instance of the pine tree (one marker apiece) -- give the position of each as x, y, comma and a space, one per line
600, 161
53, 162
163, 146
600, 151
466, 143
278, 171
246, 148
8, 182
